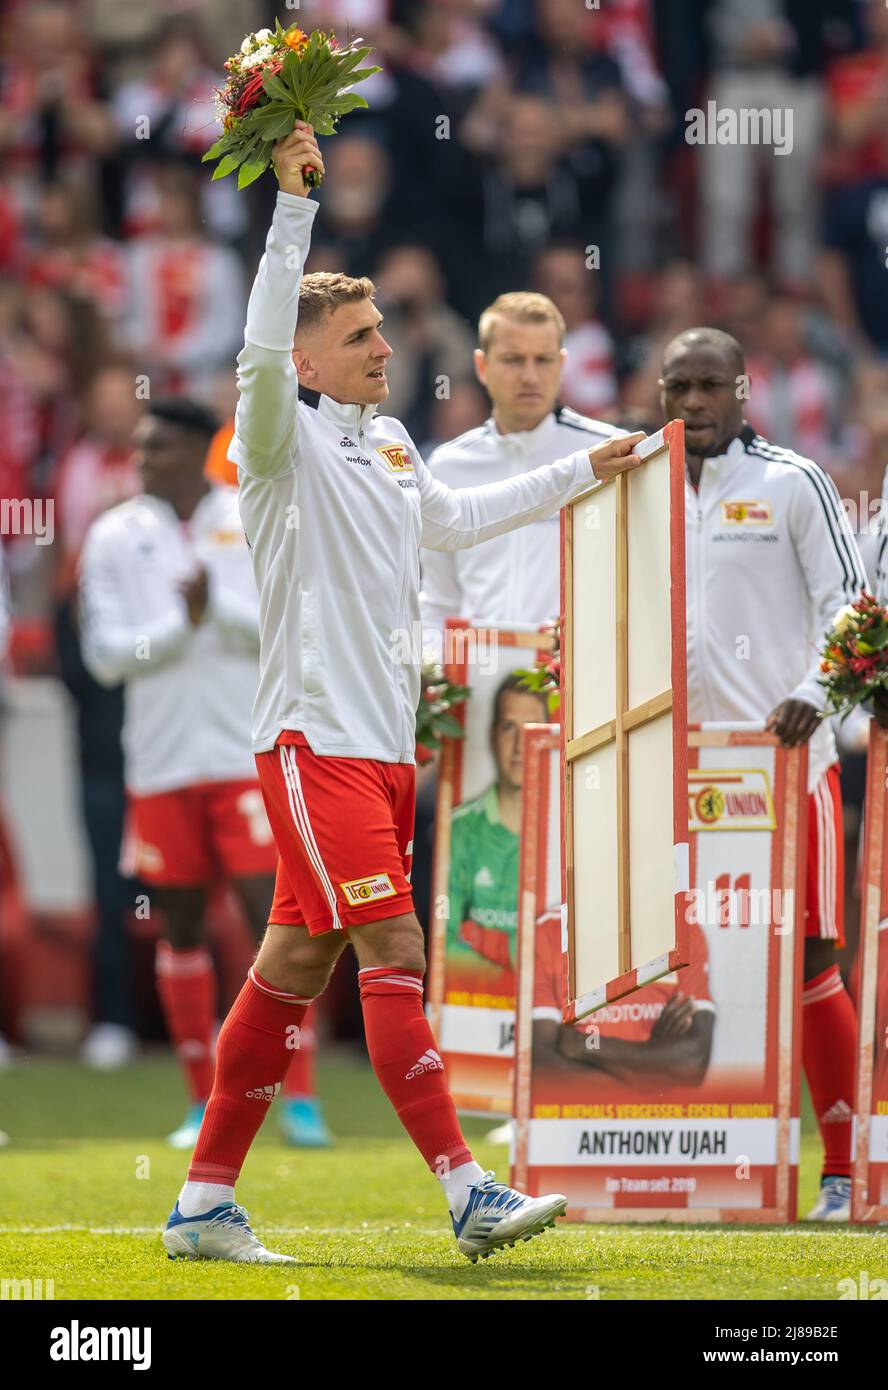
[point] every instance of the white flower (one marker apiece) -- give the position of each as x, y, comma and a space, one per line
261, 55
248, 43
845, 618
263, 35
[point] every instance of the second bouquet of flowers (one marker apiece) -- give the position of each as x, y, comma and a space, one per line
854, 658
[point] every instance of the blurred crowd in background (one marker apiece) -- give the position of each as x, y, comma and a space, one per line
509, 144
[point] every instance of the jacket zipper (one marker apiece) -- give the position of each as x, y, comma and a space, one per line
700, 604
398, 684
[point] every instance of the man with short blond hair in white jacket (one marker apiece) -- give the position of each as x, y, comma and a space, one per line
512, 578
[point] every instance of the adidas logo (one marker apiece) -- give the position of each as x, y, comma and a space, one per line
265, 1092
429, 1061
484, 878
836, 1113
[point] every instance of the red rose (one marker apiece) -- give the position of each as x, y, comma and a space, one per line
254, 89
862, 665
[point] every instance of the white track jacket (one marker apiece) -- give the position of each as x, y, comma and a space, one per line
770, 560
189, 690
336, 502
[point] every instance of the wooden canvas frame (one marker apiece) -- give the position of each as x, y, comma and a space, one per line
626, 502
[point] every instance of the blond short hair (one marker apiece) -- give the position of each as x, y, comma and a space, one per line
323, 292
521, 306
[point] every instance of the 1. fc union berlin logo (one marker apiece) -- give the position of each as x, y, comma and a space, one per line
709, 805
396, 457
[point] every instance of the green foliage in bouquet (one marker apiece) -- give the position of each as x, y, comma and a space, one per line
439, 696
276, 79
545, 677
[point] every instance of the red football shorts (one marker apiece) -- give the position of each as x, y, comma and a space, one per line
825, 877
344, 832
194, 835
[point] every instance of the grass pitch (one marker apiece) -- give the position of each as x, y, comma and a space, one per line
87, 1183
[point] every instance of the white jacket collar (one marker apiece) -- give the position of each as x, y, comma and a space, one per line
528, 441
166, 510
349, 417
723, 464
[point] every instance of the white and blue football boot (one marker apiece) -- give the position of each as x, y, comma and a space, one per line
496, 1215
221, 1234
185, 1137
834, 1202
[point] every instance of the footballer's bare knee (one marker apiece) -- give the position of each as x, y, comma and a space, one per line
291, 959
395, 941
182, 909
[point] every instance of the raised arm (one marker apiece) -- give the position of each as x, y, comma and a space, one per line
455, 518
265, 433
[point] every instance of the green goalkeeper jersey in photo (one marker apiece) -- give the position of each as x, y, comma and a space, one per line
483, 893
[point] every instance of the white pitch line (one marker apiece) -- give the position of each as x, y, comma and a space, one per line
577, 1231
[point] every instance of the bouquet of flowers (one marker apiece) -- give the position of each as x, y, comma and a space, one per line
854, 659
437, 698
276, 79
546, 675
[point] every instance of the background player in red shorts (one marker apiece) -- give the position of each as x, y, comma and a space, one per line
169, 605
336, 502
770, 559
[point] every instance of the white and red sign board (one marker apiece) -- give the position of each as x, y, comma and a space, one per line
869, 1197
474, 918
631, 1122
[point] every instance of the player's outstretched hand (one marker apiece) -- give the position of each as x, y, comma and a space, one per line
292, 154
615, 456
793, 721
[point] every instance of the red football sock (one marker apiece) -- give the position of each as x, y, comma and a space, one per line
186, 986
405, 1058
829, 1054
300, 1079
252, 1057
